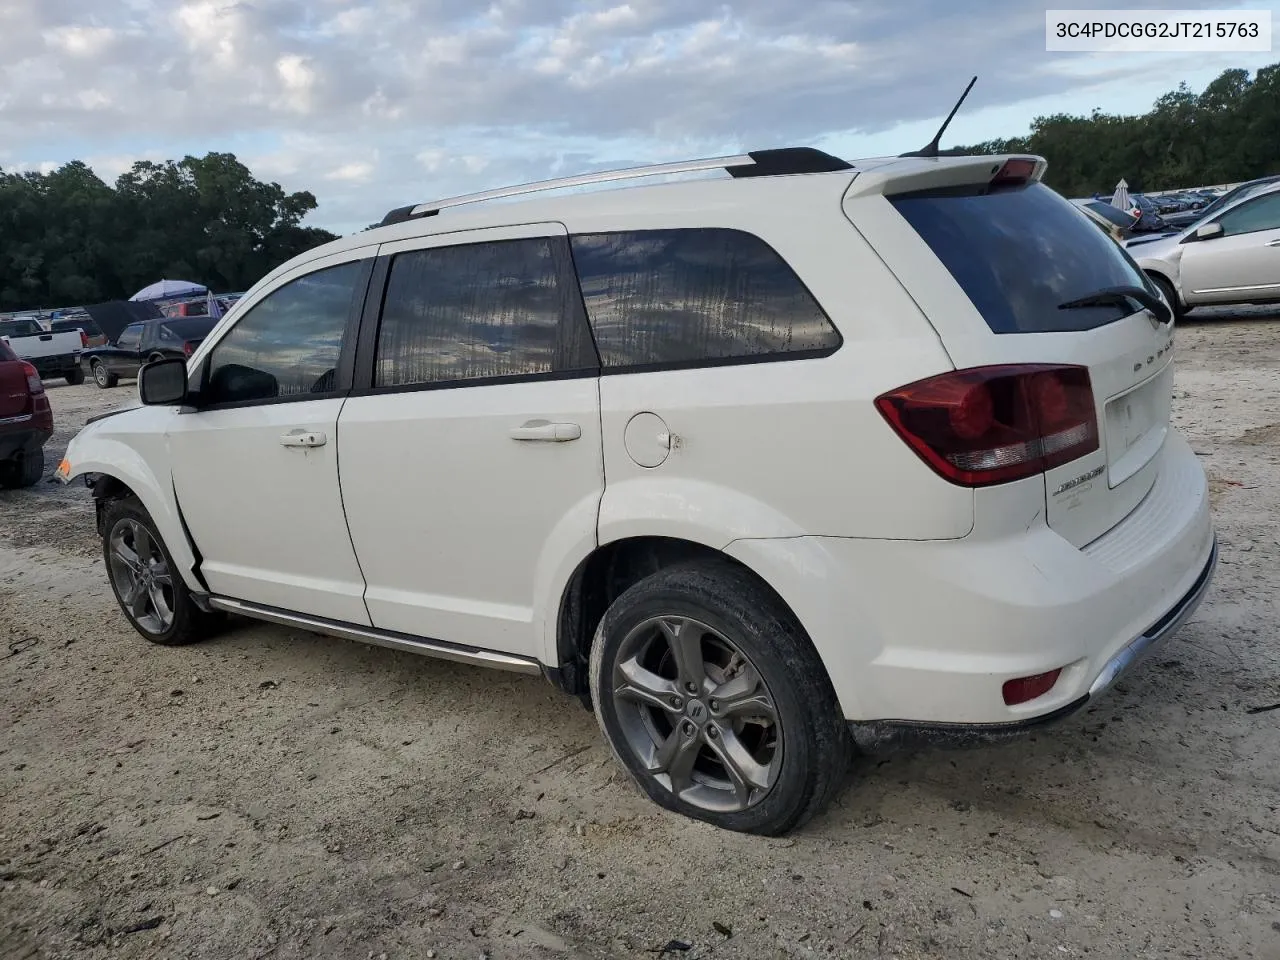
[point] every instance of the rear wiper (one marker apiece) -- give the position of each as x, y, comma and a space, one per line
1120, 296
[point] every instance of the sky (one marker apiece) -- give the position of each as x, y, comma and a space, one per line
372, 104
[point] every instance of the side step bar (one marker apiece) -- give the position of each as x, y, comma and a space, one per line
381, 638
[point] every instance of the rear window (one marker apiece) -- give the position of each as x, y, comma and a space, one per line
1018, 253
20, 328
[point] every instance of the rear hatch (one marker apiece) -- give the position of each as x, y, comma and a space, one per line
1005, 269
15, 395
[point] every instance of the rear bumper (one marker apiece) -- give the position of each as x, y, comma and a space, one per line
925, 633
877, 735
22, 436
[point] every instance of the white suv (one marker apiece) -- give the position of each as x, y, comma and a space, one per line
764, 466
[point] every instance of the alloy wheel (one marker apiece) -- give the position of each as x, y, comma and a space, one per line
697, 714
141, 576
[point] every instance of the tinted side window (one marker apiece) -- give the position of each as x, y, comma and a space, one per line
694, 296
288, 343
481, 310
1252, 216
130, 336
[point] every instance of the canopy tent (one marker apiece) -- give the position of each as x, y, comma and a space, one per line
163, 289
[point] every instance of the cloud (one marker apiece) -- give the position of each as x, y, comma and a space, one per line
454, 95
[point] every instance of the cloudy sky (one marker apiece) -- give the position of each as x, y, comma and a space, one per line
371, 104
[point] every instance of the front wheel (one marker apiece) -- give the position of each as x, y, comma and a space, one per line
150, 591
1170, 295
715, 701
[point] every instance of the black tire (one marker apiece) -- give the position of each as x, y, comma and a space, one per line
1167, 291
24, 469
102, 377
75, 377
815, 743
189, 623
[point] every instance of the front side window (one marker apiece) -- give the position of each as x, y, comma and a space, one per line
130, 336
480, 311
657, 297
1253, 216
289, 343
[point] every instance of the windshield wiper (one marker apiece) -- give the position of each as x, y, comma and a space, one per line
1120, 296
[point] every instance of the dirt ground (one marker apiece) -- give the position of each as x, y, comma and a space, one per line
275, 794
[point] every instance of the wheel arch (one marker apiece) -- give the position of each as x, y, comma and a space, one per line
603, 575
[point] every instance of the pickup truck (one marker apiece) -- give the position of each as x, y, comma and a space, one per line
52, 354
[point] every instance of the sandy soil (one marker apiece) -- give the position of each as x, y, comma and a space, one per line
276, 794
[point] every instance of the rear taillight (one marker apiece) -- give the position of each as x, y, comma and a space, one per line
995, 424
1025, 689
84, 339
34, 384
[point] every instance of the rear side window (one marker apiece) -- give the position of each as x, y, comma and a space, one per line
692, 297
481, 311
1019, 253
289, 343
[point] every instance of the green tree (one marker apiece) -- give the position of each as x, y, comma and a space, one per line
67, 238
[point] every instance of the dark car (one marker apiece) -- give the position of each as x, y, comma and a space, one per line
1150, 221
26, 421
141, 343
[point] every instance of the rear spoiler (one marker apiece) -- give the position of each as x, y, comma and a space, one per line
909, 174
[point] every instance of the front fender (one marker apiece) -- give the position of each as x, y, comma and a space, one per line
136, 465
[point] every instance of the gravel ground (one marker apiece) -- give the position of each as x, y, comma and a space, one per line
276, 794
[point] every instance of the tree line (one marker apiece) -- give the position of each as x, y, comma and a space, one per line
1228, 132
67, 238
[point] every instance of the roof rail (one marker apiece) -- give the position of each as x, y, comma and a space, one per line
757, 163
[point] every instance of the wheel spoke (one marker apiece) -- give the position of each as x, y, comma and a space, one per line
646, 687
137, 602
676, 756
142, 541
160, 605
124, 553
744, 696
745, 772
685, 640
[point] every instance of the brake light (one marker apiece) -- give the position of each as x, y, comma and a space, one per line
34, 384
1025, 689
84, 339
1014, 171
996, 424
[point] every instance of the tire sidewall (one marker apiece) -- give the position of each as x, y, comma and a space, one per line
100, 375
758, 632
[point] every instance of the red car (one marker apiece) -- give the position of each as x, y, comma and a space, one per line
26, 421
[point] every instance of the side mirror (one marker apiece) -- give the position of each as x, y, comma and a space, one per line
163, 383
1209, 231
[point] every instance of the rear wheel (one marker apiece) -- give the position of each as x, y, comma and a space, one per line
23, 469
150, 591
1170, 295
715, 702
103, 377
75, 377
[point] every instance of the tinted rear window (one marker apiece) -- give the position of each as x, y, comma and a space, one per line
1018, 253
194, 328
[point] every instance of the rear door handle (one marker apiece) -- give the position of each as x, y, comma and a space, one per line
546, 431
304, 438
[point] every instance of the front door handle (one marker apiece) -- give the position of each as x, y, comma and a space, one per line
546, 431
1273, 243
304, 438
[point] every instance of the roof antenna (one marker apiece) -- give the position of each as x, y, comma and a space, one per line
932, 149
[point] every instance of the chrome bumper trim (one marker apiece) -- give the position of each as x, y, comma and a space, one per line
1158, 631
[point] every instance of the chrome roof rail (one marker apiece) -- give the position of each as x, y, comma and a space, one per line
757, 163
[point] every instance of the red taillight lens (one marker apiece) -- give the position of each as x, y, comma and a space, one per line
1025, 689
995, 424
1014, 171
84, 339
34, 383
